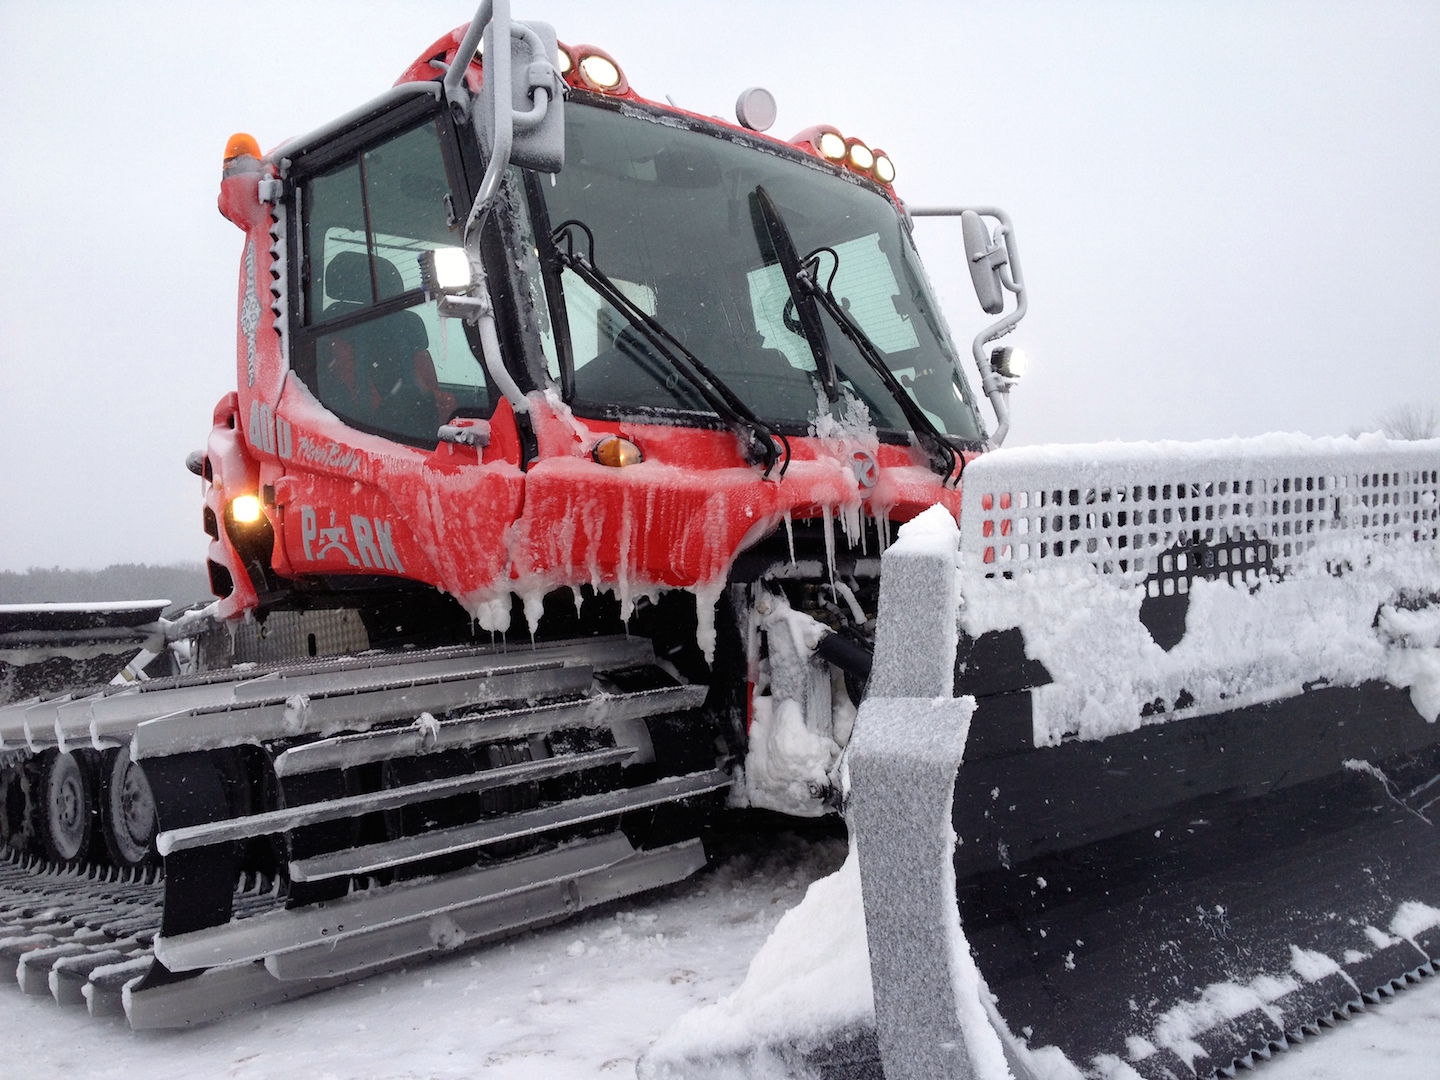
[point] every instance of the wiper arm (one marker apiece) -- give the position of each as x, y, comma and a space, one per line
943, 454
761, 443
778, 246
805, 291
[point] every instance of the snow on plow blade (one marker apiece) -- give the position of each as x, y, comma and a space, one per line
1192, 766
48, 649
1196, 811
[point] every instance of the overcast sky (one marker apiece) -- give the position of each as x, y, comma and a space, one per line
1229, 214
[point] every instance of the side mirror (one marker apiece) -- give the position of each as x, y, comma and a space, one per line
534, 101
985, 258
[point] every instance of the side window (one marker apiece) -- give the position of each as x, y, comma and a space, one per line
372, 350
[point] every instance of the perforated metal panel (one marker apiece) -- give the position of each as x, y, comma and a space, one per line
1166, 514
300, 635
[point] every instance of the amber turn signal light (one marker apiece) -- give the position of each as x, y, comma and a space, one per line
617, 452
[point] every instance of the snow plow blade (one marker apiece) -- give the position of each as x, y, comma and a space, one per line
48, 649
1194, 804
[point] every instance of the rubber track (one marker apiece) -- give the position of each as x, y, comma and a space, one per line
92, 912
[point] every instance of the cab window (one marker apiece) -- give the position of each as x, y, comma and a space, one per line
371, 349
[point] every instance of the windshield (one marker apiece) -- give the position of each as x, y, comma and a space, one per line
673, 215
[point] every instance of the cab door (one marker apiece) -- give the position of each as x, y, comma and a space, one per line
368, 488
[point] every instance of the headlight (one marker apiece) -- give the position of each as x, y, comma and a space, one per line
860, 156
245, 509
884, 168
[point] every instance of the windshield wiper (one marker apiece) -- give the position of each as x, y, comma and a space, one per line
805, 286
762, 444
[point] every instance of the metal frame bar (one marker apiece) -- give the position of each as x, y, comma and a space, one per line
294, 817
602, 710
409, 849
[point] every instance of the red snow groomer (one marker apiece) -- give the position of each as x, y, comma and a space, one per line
546, 521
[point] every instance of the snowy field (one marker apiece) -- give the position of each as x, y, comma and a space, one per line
583, 999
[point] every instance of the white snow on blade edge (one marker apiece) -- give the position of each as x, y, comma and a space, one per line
931, 531
1414, 918
1176, 1028
1118, 452
1241, 647
810, 979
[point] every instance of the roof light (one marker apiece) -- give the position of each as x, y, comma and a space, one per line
755, 109
241, 145
245, 509
564, 62
860, 155
599, 71
831, 145
444, 271
617, 452
884, 168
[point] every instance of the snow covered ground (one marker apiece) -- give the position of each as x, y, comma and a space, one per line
583, 999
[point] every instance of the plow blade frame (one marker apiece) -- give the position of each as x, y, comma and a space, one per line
1162, 865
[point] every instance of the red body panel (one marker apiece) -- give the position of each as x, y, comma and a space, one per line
473, 524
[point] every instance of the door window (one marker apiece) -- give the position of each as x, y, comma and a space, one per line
373, 351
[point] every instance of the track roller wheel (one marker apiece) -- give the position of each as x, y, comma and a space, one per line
127, 810
66, 808
16, 820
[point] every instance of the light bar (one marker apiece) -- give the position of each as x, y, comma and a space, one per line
859, 156
831, 146
884, 168
600, 72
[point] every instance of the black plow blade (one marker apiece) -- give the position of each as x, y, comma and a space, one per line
1188, 898
48, 649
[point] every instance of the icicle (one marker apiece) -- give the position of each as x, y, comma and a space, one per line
850, 521
622, 586
790, 536
534, 609
706, 599
829, 529
493, 615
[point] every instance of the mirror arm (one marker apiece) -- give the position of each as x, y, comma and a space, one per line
499, 79
455, 88
477, 308
995, 385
